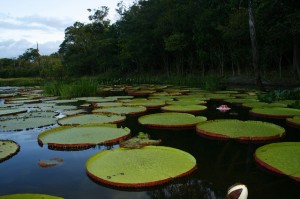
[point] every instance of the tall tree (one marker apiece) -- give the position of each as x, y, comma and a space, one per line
255, 60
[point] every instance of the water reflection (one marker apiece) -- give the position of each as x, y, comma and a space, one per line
192, 188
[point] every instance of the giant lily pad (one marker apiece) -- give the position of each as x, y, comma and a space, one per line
263, 105
275, 112
148, 166
244, 131
83, 136
11, 111
8, 148
27, 120
29, 196
184, 108
92, 119
149, 104
171, 120
123, 110
282, 158
294, 121
186, 102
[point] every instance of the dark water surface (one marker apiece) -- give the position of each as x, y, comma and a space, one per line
220, 164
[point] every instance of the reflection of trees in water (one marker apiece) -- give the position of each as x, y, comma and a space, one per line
191, 188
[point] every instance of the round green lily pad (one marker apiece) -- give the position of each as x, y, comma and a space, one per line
27, 120
11, 111
275, 112
185, 102
282, 158
263, 105
91, 119
123, 110
149, 104
144, 167
294, 121
184, 108
29, 196
244, 131
82, 136
8, 148
171, 120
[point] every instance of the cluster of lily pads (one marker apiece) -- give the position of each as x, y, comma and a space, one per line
139, 162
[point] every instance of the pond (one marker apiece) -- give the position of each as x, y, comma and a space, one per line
220, 164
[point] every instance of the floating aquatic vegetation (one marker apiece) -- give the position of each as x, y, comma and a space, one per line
193, 108
186, 102
243, 131
144, 167
50, 163
148, 103
8, 148
141, 140
275, 112
82, 137
123, 110
282, 158
27, 120
171, 120
293, 121
11, 111
263, 105
97, 118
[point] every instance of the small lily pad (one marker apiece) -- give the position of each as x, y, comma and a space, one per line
144, 167
83, 136
8, 148
149, 104
50, 163
282, 158
243, 131
92, 119
171, 120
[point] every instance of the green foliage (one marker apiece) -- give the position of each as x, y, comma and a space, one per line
79, 88
285, 94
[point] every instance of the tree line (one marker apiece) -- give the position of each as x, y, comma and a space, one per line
177, 37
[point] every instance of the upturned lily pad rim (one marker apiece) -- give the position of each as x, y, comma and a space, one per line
242, 139
188, 125
270, 166
66, 146
13, 152
140, 184
293, 121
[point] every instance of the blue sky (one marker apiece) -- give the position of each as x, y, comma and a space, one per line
23, 24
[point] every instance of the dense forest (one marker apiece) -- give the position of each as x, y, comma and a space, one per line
254, 38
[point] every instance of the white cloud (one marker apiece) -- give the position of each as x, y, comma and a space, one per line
25, 23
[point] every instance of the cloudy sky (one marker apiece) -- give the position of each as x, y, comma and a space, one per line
24, 23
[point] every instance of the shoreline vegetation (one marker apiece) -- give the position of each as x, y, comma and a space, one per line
205, 44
